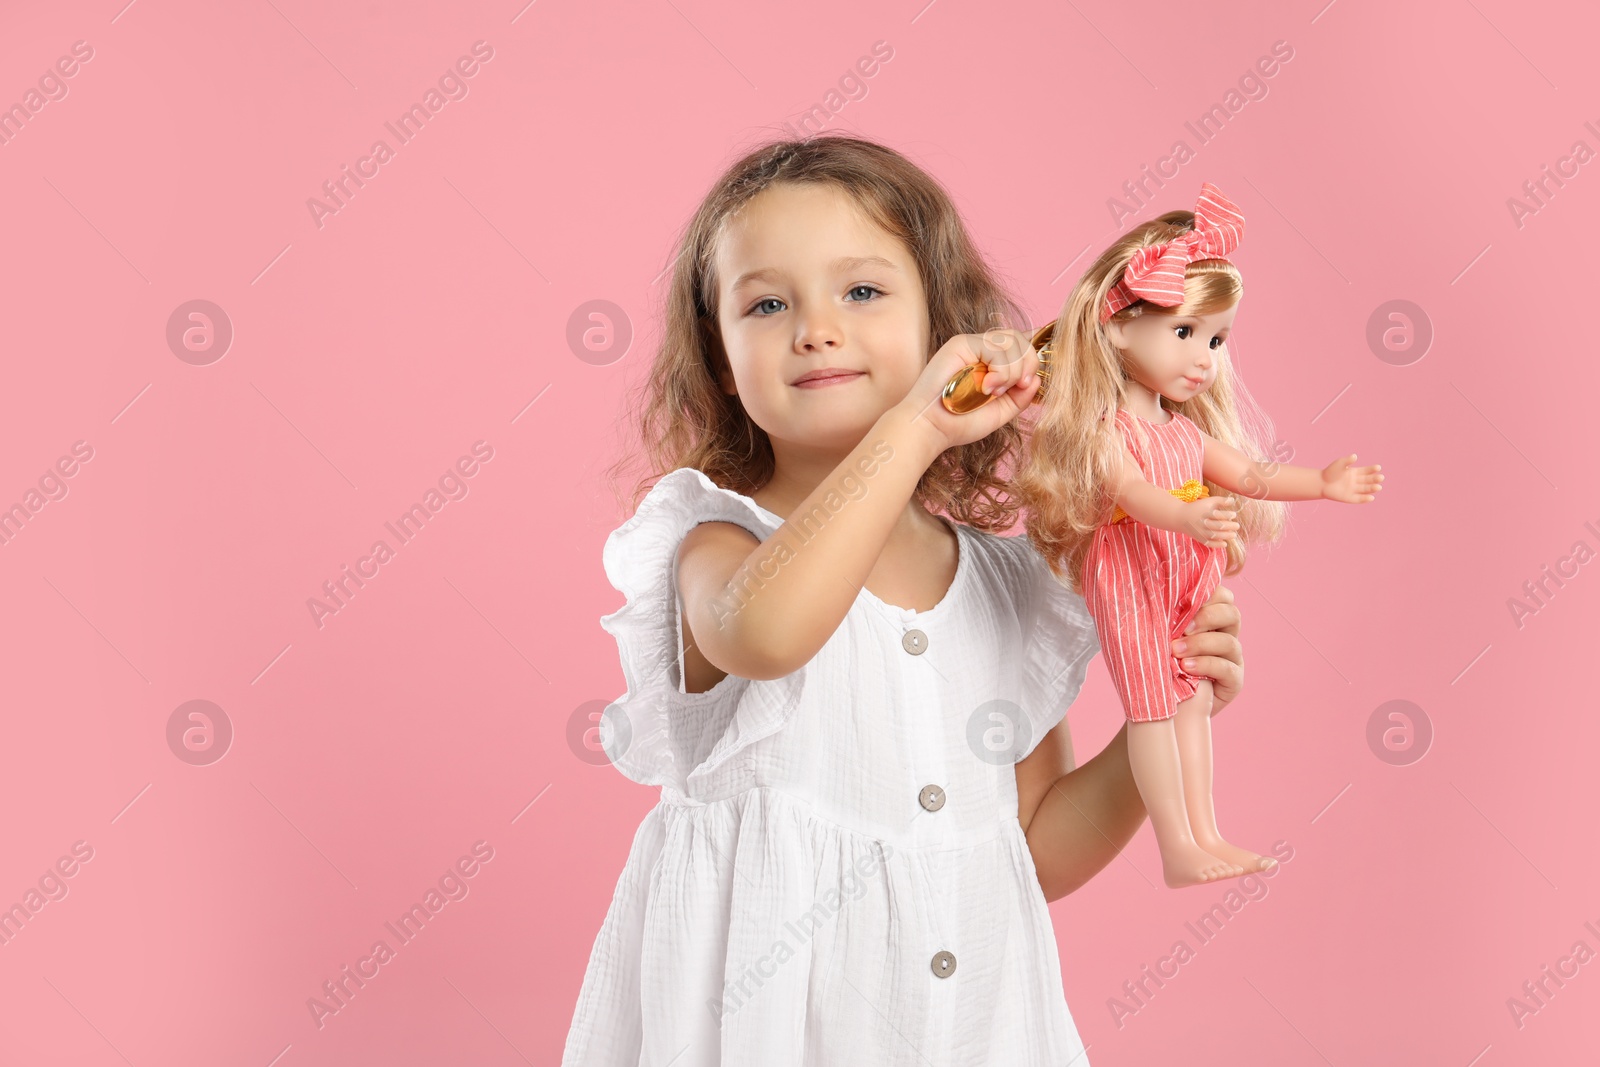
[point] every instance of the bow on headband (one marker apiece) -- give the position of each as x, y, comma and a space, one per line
1156, 271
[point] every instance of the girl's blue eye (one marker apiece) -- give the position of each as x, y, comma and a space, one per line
869, 290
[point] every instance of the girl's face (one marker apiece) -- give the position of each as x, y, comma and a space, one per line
1173, 355
808, 284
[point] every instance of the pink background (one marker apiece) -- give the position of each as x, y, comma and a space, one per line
431, 312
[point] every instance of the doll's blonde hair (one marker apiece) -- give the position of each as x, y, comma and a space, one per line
1065, 477
686, 420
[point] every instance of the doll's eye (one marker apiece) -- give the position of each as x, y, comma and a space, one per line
1216, 343
759, 304
1183, 332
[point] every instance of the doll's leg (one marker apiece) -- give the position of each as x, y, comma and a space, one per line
1157, 770
1193, 722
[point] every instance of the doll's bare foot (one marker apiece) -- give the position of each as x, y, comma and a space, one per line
1248, 862
1186, 863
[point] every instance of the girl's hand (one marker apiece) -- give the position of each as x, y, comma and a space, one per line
1211, 520
1351, 485
1012, 379
1210, 647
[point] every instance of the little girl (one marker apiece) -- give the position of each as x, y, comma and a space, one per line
1143, 409
837, 690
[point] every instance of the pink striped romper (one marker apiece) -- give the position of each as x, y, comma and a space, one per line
1143, 584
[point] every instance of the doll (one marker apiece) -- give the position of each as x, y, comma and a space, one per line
1143, 419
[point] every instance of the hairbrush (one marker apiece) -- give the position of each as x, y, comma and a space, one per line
964, 391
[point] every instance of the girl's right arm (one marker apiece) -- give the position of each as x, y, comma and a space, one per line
761, 610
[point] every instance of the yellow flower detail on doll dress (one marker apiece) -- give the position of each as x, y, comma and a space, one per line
1188, 492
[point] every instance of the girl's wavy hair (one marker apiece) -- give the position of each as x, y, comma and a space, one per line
1073, 452
684, 420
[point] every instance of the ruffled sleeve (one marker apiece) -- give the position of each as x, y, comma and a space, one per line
655, 733
1059, 635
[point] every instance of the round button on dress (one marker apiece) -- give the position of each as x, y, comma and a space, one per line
783, 881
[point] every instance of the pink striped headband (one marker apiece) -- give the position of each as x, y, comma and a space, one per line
1155, 273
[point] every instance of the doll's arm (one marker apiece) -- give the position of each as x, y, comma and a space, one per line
1238, 473
1143, 501
1208, 520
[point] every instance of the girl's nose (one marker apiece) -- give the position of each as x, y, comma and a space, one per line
818, 332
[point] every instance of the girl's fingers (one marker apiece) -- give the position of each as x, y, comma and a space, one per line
967, 348
1022, 394
1216, 643
1223, 672
1004, 373
1015, 379
1009, 404
1215, 629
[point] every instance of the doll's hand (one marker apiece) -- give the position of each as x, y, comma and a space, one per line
1211, 520
1012, 378
1210, 647
1351, 485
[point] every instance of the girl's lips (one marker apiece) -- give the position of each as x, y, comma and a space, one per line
832, 379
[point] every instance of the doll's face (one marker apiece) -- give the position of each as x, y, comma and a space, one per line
807, 282
1174, 355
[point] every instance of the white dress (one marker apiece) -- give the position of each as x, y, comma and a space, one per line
835, 873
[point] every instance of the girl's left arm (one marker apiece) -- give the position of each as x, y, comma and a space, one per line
1238, 473
1078, 819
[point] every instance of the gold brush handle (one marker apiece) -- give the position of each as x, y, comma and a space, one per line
964, 391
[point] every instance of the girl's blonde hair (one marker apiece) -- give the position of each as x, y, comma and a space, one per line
1065, 478
685, 420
